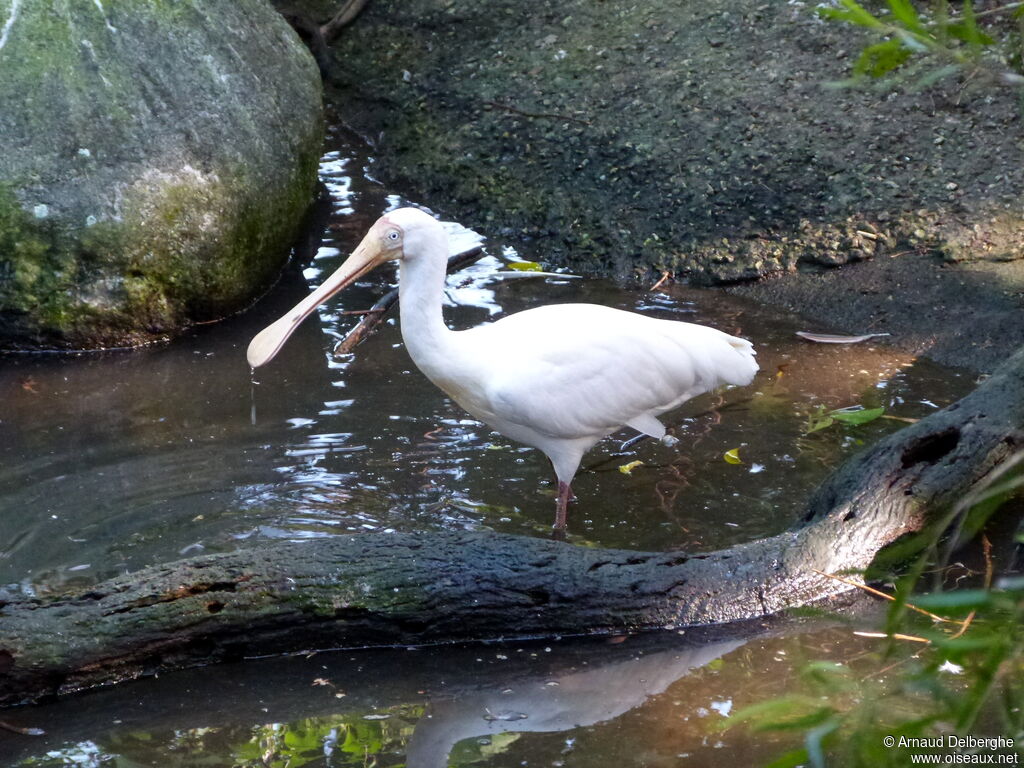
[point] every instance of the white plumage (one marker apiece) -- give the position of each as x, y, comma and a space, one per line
558, 378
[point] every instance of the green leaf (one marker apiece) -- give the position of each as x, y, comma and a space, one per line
826, 12
968, 645
856, 417
960, 598
881, 58
783, 713
819, 424
967, 30
831, 675
818, 421
801, 723
905, 12
861, 15
814, 740
732, 456
855, 13
969, 34
525, 266
961, 30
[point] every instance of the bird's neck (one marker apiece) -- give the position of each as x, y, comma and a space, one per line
421, 289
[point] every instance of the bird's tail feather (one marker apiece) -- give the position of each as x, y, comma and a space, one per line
738, 364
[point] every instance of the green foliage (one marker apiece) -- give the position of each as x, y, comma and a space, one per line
784, 713
851, 12
918, 45
351, 740
969, 670
853, 416
856, 416
881, 58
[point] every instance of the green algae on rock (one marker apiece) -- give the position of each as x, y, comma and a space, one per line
156, 162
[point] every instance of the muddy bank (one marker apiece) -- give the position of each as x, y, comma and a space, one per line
695, 138
698, 139
966, 314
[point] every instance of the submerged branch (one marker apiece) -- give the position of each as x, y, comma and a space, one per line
375, 315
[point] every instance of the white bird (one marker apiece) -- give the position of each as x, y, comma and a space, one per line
558, 378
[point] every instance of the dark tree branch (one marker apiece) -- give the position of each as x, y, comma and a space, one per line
318, 37
345, 16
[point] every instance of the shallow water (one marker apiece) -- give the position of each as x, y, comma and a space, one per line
556, 692
113, 461
663, 700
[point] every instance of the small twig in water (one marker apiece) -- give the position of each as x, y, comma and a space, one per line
994, 11
890, 667
964, 626
894, 636
664, 276
987, 549
879, 593
905, 419
5, 726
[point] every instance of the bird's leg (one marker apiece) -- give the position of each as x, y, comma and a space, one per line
564, 494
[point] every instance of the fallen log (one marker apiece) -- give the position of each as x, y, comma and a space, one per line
413, 589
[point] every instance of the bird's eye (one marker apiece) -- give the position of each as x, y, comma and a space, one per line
393, 235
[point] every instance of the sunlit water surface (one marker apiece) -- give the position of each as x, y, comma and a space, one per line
111, 462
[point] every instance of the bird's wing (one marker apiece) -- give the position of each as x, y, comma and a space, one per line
575, 370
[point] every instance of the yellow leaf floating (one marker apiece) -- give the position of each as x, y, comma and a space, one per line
524, 266
627, 468
733, 456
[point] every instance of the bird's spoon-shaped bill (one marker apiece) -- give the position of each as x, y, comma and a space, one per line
268, 342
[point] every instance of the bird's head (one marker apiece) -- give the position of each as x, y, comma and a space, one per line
402, 234
397, 235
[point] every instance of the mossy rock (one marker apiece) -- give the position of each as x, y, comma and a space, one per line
156, 160
692, 137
